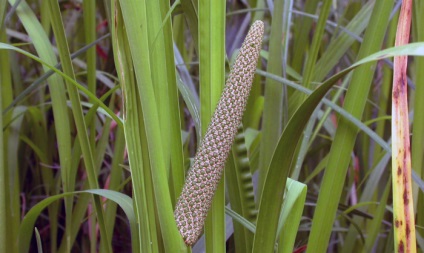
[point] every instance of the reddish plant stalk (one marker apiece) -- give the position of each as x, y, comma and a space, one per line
403, 210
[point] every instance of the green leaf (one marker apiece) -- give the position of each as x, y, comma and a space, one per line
109, 112
211, 29
344, 140
291, 214
27, 225
272, 195
273, 114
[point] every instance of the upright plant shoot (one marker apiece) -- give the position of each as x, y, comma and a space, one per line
403, 209
209, 162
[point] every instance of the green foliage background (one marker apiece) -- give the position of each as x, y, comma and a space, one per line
104, 103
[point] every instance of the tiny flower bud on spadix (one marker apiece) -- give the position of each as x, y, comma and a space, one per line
209, 162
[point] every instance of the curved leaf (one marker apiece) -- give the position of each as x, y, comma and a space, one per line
27, 225
93, 97
291, 213
272, 195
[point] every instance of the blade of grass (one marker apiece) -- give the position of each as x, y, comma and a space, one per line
87, 152
302, 26
148, 186
234, 194
309, 68
316, 43
26, 228
418, 124
212, 79
258, 4
33, 86
108, 113
403, 209
89, 36
377, 220
282, 158
99, 152
291, 214
40, 144
192, 104
272, 121
136, 18
58, 96
160, 70
162, 60
240, 190
304, 145
174, 128
191, 14
338, 161
6, 96
369, 192
388, 247
385, 94
82, 202
132, 130
89, 16
16, 128
272, 195
338, 46
3, 180
38, 239
115, 177
348, 116
286, 25
3, 12
240, 219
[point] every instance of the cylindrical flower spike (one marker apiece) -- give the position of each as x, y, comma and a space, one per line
209, 162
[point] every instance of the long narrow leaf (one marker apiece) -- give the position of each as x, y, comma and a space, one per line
26, 228
212, 79
344, 140
403, 204
282, 159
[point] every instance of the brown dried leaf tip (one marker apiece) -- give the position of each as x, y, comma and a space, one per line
209, 162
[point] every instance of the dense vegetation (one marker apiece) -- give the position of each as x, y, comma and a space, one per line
104, 104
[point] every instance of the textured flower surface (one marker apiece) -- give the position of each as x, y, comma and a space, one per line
209, 162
